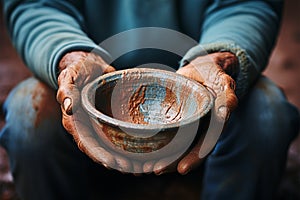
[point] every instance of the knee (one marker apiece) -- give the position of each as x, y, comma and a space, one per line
277, 127
273, 121
30, 112
274, 113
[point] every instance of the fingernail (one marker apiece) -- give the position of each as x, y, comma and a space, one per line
184, 169
223, 112
67, 105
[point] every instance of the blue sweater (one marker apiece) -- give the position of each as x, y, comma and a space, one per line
42, 31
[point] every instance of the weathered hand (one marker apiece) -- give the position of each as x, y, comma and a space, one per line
76, 70
215, 71
79, 126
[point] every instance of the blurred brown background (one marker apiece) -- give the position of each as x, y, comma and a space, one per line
284, 69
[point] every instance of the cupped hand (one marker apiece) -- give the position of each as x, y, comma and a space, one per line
76, 70
215, 71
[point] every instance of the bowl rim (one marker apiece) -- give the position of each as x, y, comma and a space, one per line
90, 88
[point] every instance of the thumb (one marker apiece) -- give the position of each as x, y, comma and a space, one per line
226, 100
68, 93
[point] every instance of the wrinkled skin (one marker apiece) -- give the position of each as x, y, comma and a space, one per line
215, 71
78, 68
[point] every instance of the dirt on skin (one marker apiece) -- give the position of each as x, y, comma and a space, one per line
284, 69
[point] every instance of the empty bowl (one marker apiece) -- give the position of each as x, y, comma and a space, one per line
142, 110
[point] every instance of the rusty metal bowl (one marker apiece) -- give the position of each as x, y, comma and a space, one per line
140, 110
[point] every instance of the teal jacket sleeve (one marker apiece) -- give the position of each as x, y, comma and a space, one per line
246, 28
43, 31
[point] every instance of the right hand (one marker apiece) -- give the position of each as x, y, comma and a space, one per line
76, 70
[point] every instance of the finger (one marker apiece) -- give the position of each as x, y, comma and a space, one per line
191, 160
68, 93
191, 72
108, 69
148, 166
137, 168
223, 87
226, 100
166, 165
79, 127
123, 164
188, 163
92, 73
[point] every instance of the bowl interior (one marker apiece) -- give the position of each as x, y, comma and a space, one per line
148, 97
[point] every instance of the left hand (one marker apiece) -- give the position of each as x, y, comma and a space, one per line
215, 72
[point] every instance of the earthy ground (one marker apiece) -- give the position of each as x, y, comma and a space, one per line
284, 69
